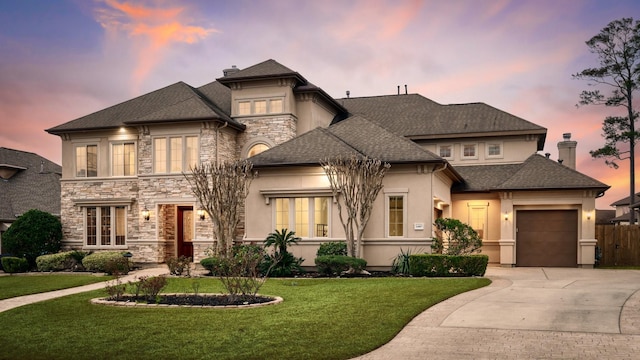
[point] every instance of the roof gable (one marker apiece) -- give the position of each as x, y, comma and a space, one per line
536, 173
266, 69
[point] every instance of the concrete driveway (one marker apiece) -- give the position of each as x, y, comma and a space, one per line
527, 313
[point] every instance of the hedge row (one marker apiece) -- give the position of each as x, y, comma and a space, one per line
337, 264
437, 265
11, 264
107, 261
67, 260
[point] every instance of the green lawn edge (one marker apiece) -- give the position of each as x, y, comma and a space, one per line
21, 285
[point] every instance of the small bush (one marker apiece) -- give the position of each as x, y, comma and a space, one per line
337, 264
152, 286
211, 263
437, 265
55, 262
107, 261
332, 248
454, 237
12, 265
33, 234
281, 262
401, 265
178, 266
239, 269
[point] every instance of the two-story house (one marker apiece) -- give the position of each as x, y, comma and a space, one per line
123, 187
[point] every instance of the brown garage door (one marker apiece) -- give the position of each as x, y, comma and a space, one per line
547, 238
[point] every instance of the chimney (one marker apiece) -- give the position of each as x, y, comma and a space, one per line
567, 151
228, 72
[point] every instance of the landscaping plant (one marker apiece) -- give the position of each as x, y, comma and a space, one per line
281, 262
454, 237
238, 269
34, 233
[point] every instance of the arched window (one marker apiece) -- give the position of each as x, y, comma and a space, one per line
257, 149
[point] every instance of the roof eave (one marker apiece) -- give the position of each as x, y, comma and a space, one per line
434, 136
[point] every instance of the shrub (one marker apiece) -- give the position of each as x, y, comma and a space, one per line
438, 265
106, 261
33, 234
55, 262
281, 262
152, 286
454, 237
238, 270
332, 248
211, 263
12, 264
337, 264
178, 266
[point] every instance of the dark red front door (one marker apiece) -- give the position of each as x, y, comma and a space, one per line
185, 231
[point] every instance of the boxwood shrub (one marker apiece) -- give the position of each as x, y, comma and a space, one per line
67, 260
332, 248
438, 265
107, 261
12, 264
336, 264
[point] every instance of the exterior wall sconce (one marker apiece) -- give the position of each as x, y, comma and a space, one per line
588, 215
506, 216
200, 213
145, 213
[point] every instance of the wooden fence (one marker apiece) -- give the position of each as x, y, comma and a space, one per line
618, 245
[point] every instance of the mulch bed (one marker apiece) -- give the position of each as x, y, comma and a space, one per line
196, 300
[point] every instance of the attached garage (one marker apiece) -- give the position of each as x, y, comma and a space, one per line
547, 238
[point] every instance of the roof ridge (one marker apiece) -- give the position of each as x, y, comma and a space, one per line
331, 134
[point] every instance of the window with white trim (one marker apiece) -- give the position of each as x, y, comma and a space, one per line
396, 215
494, 150
307, 216
260, 106
105, 226
469, 151
87, 160
445, 151
123, 159
174, 154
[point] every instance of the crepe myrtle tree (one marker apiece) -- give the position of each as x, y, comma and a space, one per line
617, 48
355, 183
221, 188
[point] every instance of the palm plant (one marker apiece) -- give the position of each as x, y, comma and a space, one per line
282, 262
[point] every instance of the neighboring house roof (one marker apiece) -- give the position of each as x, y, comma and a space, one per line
35, 184
605, 216
623, 218
353, 136
417, 117
625, 201
271, 69
535, 173
174, 103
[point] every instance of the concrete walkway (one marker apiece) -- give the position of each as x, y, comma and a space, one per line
529, 313
8, 304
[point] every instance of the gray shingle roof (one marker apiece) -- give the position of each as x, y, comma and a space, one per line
266, 69
177, 102
35, 185
625, 201
354, 136
536, 173
417, 117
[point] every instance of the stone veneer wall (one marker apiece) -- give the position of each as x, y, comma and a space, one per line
277, 129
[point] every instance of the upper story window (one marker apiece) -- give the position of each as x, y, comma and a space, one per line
494, 150
87, 161
260, 106
308, 217
123, 159
257, 149
470, 151
174, 154
445, 151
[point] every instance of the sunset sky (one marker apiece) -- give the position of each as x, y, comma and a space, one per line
62, 59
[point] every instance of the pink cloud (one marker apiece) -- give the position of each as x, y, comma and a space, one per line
154, 30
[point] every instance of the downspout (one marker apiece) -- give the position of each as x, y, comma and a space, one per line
217, 135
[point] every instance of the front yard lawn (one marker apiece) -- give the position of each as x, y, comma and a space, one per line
19, 285
319, 319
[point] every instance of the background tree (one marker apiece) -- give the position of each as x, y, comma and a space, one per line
221, 189
33, 234
454, 237
617, 47
355, 183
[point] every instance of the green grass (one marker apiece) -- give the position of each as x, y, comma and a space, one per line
19, 285
319, 319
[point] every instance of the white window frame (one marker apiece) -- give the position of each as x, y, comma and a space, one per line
135, 157
388, 194
75, 159
311, 215
112, 238
184, 166
489, 156
452, 151
252, 106
473, 157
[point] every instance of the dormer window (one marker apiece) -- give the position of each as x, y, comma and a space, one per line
494, 150
469, 151
260, 106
